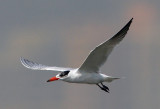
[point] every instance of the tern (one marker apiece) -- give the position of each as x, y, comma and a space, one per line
89, 71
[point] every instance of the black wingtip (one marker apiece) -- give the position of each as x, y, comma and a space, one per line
123, 30
131, 20
129, 23
126, 27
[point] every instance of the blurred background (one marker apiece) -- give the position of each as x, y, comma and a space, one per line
62, 33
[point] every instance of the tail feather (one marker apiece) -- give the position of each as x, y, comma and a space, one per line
110, 79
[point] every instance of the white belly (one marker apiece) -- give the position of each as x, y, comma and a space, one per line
87, 78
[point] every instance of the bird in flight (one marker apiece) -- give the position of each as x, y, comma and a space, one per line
88, 72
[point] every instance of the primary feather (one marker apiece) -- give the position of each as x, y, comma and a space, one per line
99, 55
35, 66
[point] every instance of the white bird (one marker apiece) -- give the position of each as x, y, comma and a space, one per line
88, 72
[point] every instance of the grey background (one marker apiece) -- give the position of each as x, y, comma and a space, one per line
61, 33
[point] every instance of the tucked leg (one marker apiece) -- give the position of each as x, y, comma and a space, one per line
103, 88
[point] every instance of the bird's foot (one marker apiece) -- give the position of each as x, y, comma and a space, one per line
103, 87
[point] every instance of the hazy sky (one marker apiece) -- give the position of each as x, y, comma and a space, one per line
61, 33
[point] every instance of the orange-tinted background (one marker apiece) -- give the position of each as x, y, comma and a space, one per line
61, 33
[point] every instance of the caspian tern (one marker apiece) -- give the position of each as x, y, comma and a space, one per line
88, 72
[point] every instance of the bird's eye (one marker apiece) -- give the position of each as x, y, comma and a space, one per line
65, 73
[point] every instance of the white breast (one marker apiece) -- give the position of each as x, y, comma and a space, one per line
88, 78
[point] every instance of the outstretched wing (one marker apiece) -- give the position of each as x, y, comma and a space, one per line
36, 66
99, 55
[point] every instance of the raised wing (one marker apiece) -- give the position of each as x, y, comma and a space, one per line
36, 66
99, 55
